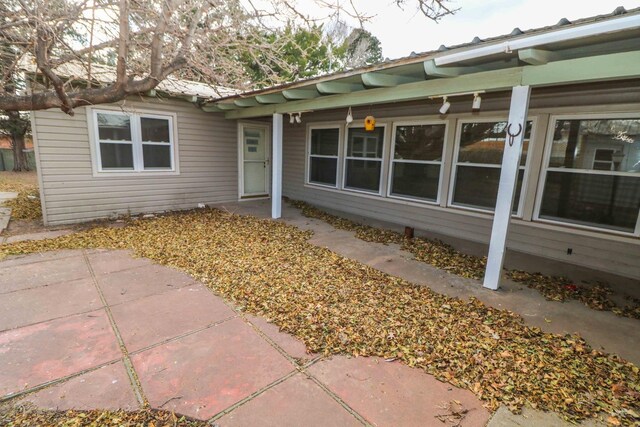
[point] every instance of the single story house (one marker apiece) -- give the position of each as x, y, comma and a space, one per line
528, 141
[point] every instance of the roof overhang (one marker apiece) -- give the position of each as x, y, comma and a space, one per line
606, 49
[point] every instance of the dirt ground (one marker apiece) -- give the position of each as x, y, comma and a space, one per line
10, 181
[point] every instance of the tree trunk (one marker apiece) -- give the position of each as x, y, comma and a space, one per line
20, 161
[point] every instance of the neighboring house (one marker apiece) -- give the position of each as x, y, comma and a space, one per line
577, 192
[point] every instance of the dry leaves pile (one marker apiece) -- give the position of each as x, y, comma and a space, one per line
441, 255
26, 205
25, 416
339, 306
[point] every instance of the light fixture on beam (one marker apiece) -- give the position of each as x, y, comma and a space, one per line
445, 106
299, 118
477, 101
291, 118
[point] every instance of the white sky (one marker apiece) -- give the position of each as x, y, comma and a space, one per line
401, 32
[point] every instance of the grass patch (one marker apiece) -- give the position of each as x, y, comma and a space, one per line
339, 306
27, 205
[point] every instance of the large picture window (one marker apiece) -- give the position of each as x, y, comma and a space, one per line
133, 142
363, 162
480, 147
592, 174
323, 156
416, 160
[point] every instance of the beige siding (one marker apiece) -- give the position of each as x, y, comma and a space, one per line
597, 250
207, 156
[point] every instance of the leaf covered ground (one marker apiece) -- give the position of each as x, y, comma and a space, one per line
598, 296
339, 306
25, 416
27, 204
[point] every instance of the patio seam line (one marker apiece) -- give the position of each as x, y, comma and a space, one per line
195, 282
253, 395
303, 370
39, 261
338, 399
186, 334
131, 373
43, 286
51, 320
8, 397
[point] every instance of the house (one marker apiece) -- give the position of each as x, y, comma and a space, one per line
528, 141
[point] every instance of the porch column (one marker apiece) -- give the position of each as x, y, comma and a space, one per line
507, 189
276, 167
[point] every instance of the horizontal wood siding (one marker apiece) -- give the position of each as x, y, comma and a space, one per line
602, 251
207, 155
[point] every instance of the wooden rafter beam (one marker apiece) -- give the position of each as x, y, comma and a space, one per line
385, 80
331, 88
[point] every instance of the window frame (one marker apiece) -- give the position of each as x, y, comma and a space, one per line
383, 160
308, 155
454, 164
548, 143
392, 160
136, 142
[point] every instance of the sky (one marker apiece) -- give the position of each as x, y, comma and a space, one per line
402, 32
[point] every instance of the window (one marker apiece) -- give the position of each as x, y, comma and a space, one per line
363, 162
323, 156
133, 142
478, 163
417, 160
592, 174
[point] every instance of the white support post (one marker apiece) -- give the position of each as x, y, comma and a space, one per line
276, 168
507, 189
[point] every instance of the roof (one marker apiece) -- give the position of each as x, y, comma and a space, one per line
104, 74
614, 33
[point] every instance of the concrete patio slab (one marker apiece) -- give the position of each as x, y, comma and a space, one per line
168, 315
107, 387
206, 372
134, 283
5, 216
297, 401
291, 345
534, 418
43, 273
393, 394
29, 306
47, 351
105, 261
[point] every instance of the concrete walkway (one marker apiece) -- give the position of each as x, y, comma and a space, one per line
100, 329
5, 213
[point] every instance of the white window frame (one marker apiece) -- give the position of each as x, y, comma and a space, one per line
381, 159
548, 143
455, 163
308, 155
392, 160
136, 142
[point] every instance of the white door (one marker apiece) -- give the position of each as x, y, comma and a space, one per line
254, 151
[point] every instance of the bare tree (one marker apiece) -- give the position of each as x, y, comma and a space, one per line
62, 43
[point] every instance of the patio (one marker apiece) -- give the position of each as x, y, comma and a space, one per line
101, 329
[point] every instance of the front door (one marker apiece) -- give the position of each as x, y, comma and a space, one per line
254, 152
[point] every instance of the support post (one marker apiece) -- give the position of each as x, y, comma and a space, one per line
508, 179
276, 167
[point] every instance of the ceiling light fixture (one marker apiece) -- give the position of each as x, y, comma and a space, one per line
477, 101
299, 118
291, 118
445, 106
